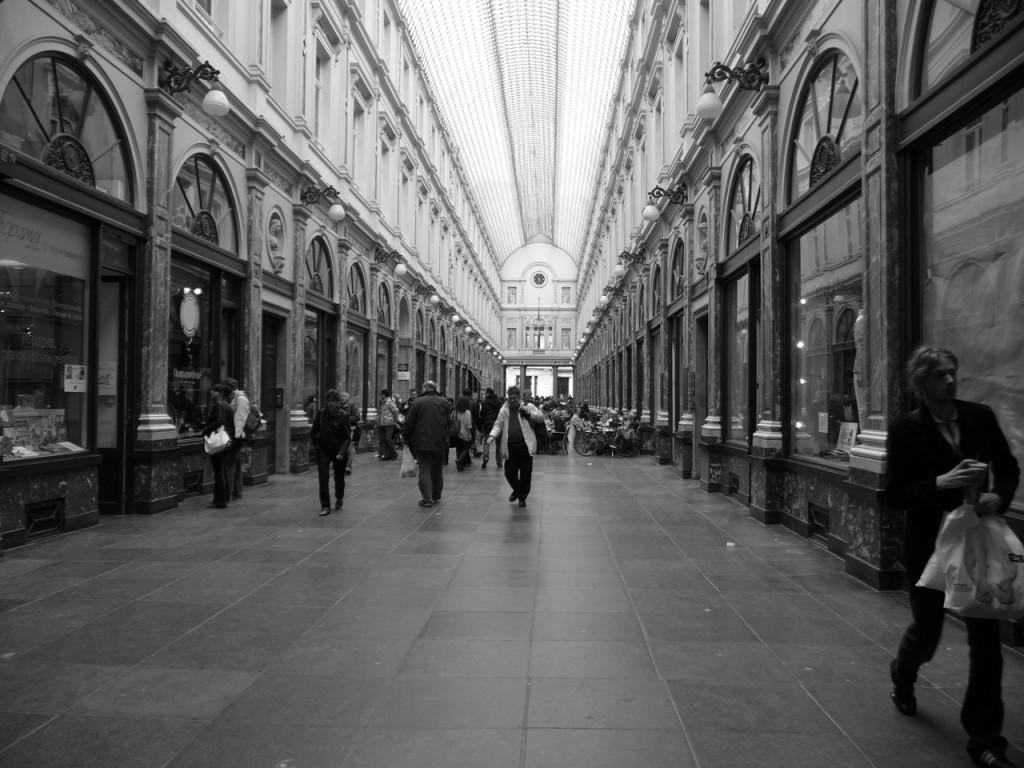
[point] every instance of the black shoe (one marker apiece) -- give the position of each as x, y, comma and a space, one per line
437, 499
425, 503
483, 464
325, 512
338, 504
348, 470
902, 695
513, 497
236, 497
459, 467
992, 758
522, 503
216, 506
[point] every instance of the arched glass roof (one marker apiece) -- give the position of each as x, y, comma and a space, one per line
525, 88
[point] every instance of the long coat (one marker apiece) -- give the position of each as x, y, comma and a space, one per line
917, 454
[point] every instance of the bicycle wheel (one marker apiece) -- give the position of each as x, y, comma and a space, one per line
625, 447
585, 444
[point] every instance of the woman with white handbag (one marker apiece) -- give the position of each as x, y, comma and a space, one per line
218, 433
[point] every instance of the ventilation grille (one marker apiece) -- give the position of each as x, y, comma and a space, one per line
192, 483
44, 518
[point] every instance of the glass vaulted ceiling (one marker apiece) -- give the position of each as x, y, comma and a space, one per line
525, 87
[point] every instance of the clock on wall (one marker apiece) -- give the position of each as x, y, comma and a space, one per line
539, 279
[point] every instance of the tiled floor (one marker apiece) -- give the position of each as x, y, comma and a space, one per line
624, 618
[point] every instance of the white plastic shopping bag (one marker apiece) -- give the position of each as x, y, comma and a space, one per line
409, 468
979, 563
217, 441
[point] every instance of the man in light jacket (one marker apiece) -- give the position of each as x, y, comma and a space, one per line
387, 417
514, 426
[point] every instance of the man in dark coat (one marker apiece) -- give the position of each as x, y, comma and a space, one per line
936, 454
331, 435
426, 433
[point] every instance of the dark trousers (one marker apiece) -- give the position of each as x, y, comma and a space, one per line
387, 442
325, 460
982, 712
219, 462
519, 471
233, 466
431, 475
462, 452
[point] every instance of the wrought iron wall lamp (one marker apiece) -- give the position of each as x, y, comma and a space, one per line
177, 79
312, 196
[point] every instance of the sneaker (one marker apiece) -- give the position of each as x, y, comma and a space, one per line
902, 695
325, 512
991, 758
338, 504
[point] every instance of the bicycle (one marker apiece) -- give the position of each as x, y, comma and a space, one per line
590, 440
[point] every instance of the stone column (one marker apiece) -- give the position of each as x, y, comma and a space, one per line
157, 478
254, 455
298, 424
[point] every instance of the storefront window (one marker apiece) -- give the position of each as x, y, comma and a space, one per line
311, 358
53, 111
354, 374
737, 371
356, 290
826, 266
44, 297
383, 306
973, 258
190, 363
830, 124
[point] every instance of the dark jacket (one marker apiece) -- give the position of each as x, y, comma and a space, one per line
221, 415
332, 434
426, 423
489, 408
917, 454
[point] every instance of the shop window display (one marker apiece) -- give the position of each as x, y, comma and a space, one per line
44, 295
190, 363
826, 266
973, 258
737, 370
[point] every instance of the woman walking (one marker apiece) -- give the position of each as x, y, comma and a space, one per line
463, 417
331, 436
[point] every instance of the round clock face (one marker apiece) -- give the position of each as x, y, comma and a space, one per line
539, 278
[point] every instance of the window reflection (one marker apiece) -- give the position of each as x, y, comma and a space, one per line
826, 286
973, 244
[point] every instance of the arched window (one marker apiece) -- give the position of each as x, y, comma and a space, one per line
657, 301
356, 289
829, 126
54, 111
744, 204
383, 305
419, 326
955, 31
319, 272
202, 203
678, 284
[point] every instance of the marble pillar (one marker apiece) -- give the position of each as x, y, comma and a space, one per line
254, 454
298, 424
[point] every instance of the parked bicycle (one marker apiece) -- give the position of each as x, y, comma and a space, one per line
618, 442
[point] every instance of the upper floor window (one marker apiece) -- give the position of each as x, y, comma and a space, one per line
383, 305
54, 111
202, 203
956, 29
319, 273
829, 127
744, 204
356, 290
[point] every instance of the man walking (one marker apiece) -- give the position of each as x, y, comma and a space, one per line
936, 454
426, 433
514, 426
239, 403
488, 415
